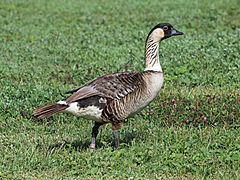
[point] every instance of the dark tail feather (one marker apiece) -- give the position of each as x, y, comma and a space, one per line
48, 110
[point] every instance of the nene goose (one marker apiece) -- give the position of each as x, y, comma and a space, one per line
114, 97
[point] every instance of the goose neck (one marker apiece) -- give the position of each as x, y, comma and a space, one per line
152, 55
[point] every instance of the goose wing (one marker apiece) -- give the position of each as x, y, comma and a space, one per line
114, 86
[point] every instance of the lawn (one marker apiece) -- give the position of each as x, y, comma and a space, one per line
190, 131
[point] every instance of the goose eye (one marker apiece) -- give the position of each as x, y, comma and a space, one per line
165, 28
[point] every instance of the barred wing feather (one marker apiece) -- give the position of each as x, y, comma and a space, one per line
114, 86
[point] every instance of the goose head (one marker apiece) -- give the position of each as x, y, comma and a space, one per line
162, 31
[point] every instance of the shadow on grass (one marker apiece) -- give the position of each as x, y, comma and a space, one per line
76, 145
84, 145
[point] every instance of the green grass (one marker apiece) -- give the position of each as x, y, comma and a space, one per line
191, 130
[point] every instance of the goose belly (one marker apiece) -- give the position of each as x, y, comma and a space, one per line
89, 112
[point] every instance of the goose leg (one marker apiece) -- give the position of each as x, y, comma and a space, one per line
94, 135
116, 138
116, 134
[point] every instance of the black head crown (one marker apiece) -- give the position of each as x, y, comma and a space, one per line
167, 29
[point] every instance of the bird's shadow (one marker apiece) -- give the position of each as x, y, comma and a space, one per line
76, 145
80, 145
